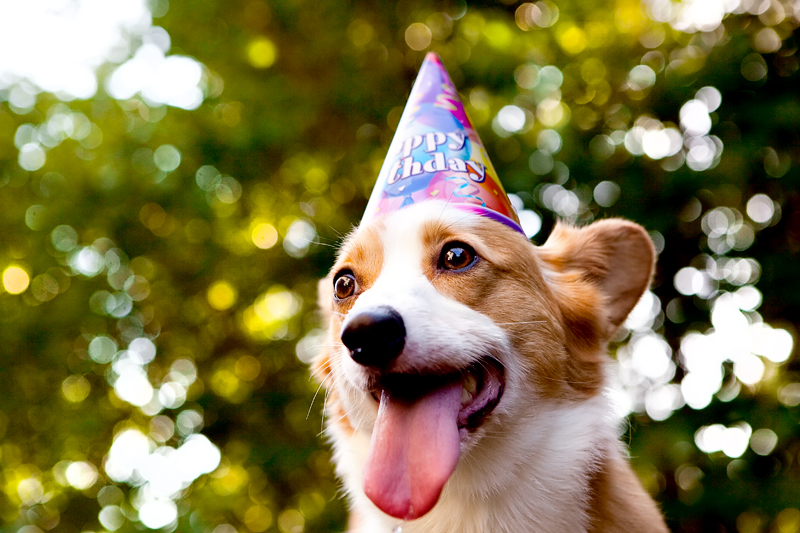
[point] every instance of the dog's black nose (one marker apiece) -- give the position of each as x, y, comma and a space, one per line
375, 338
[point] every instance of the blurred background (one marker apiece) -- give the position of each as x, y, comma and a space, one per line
175, 176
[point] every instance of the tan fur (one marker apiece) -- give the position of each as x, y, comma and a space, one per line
617, 504
557, 306
615, 254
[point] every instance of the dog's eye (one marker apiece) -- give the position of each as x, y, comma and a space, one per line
344, 285
457, 256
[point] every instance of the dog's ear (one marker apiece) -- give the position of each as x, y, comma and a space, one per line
597, 274
614, 256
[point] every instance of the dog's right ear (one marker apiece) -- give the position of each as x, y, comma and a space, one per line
613, 255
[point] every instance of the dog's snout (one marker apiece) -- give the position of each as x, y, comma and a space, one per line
376, 337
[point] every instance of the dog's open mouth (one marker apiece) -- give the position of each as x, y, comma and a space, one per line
481, 389
416, 441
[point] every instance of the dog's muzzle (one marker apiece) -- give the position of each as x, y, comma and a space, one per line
376, 337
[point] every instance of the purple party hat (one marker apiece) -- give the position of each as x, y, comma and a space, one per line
436, 154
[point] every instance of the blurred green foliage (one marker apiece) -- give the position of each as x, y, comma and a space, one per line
159, 264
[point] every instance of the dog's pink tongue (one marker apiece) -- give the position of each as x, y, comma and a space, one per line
414, 449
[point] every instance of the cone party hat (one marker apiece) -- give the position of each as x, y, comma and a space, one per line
436, 154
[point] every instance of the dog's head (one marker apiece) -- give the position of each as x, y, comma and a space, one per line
445, 326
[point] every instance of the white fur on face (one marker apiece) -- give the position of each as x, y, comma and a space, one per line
441, 334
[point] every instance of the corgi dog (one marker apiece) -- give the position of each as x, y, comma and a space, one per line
466, 375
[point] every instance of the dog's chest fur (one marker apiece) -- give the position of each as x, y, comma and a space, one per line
546, 458
567, 454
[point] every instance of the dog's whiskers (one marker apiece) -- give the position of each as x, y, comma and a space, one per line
314, 241
333, 423
314, 399
325, 408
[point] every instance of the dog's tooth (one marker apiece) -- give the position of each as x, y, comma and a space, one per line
471, 384
466, 397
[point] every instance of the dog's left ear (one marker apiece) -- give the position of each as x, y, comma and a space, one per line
615, 256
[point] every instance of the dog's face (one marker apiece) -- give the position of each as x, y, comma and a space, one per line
446, 329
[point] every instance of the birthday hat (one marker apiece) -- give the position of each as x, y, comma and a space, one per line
436, 154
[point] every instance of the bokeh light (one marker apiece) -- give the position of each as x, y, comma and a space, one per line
763, 441
81, 474
15, 280
732, 441
760, 208
262, 52
511, 119
159, 79
299, 236
222, 295
265, 236
418, 36
74, 41
71, 42
159, 265
76, 388
167, 158
542, 14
